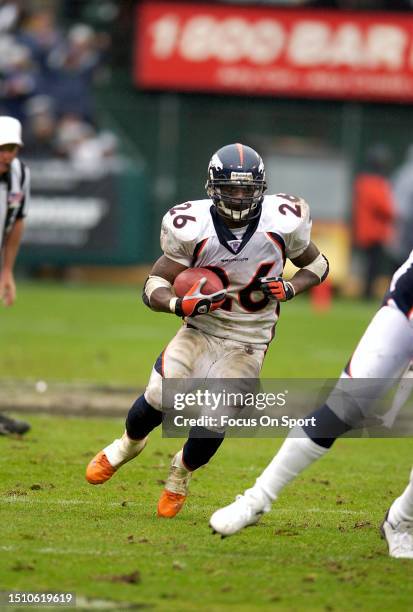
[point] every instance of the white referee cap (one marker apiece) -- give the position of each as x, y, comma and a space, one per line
10, 131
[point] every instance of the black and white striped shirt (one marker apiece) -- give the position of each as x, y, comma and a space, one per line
14, 196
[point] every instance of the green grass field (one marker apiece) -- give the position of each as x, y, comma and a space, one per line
319, 548
100, 334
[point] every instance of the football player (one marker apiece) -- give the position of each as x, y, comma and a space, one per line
383, 353
245, 237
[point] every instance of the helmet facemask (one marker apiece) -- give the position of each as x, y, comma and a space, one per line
229, 204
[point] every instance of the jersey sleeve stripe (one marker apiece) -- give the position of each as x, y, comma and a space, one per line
278, 241
198, 250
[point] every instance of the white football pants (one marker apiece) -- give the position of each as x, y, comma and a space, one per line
194, 354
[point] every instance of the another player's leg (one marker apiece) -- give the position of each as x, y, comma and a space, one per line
397, 527
297, 452
233, 362
141, 420
383, 353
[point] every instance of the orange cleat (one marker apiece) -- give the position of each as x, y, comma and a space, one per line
109, 460
99, 469
176, 488
170, 504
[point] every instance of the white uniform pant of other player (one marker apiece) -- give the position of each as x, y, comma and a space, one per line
385, 351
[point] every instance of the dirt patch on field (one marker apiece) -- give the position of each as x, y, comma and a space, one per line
58, 398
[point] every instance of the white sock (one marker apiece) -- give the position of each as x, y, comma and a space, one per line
124, 449
402, 507
294, 456
177, 461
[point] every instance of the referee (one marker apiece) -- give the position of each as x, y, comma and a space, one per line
14, 199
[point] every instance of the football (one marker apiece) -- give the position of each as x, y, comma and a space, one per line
186, 279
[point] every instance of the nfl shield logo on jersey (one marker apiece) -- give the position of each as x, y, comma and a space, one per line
235, 245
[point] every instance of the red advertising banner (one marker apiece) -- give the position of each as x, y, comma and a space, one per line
265, 51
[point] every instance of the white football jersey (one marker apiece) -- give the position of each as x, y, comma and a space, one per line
194, 235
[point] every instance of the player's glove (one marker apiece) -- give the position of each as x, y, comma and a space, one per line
196, 303
277, 288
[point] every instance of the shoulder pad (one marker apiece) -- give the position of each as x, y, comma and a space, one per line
286, 212
183, 227
187, 221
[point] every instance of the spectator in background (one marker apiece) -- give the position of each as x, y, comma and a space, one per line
403, 194
73, 67
96, 155
91, 154
10, 14
40, 128
19, 81
373, 213
37, 58
41, 34
71, 131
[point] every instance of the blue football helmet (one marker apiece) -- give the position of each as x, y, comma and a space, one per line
236, 182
